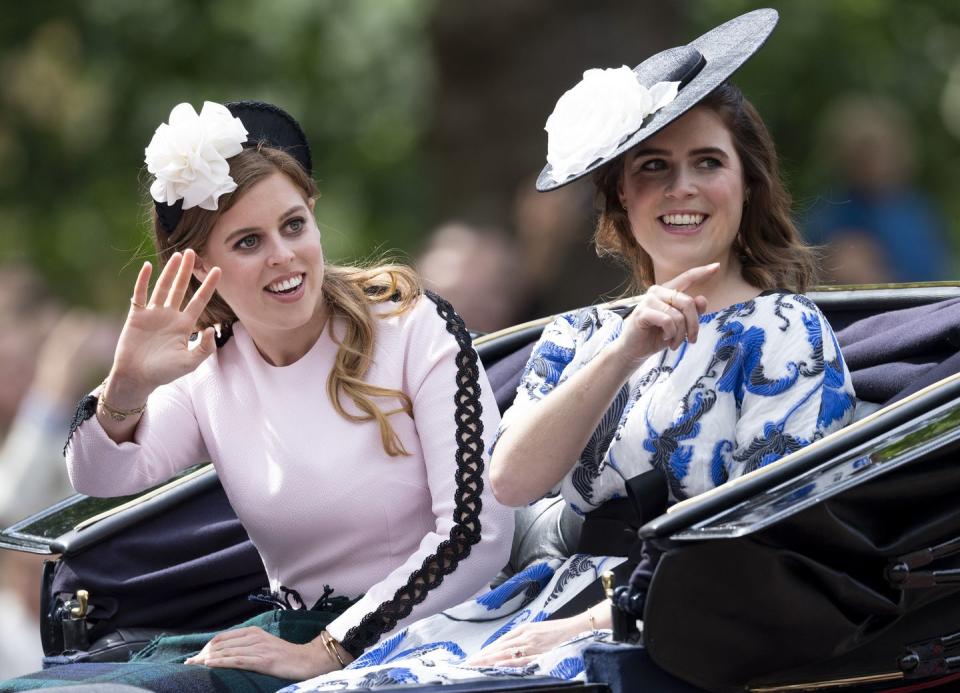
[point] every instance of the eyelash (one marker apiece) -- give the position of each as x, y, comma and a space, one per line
299, 221
645, 166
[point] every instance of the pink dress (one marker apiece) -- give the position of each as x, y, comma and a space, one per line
321, 500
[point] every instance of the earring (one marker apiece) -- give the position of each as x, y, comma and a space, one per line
746, 196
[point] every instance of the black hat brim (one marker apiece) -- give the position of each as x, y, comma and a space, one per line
701, 66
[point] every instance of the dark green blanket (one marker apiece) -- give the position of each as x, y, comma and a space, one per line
159, 666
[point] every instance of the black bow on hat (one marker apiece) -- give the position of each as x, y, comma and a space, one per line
700, 67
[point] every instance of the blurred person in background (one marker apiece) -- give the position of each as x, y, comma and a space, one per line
554, 234
874, 224
50, 357
70, 360
479, 271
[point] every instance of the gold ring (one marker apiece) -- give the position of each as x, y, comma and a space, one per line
673, 298
518, 653
133, 302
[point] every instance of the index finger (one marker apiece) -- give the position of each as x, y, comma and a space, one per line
141, 287
685, 280
203, 295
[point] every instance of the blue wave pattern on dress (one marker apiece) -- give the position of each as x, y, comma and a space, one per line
767, 370
530, 581
433, 650
379, 654
507, 627
446, 645
374, 679
567, 668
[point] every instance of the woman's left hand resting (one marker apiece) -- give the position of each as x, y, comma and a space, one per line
253, 649
528, 641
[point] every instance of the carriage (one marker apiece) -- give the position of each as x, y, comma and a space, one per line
836, 567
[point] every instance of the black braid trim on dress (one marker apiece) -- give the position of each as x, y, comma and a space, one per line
85, 410
466, 515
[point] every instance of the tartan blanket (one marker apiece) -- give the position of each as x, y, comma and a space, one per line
159, 666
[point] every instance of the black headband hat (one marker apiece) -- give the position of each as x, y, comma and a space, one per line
611, 111
188, 155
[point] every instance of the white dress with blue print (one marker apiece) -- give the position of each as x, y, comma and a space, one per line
432, 650
764, 379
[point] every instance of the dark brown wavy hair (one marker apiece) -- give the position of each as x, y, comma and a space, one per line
350, 292
771, 251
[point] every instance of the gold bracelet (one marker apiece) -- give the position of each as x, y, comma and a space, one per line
114, 413
330, 643
593, 623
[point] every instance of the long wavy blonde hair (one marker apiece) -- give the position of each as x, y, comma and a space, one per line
772, 253
350, 293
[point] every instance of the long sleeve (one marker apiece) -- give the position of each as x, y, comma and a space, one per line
566, 345
455, 416
167, 440
793, 388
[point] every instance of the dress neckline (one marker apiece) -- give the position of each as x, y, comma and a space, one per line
707, 317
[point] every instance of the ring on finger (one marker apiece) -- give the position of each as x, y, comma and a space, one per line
673, 298
133, 302
518, 653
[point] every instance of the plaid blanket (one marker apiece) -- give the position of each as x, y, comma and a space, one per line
159, 666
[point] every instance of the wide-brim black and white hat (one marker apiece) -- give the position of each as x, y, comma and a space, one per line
188, 154
611, 111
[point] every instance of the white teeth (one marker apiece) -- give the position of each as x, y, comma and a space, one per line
682, 219
286, 284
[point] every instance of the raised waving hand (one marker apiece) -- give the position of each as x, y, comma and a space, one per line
154, 346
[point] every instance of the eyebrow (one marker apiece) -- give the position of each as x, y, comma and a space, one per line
250, 229
700, 151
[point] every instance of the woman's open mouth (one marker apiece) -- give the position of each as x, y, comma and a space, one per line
288, 289
684, 224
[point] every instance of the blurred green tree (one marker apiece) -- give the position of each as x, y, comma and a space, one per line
85, 84
823, 50
397, 148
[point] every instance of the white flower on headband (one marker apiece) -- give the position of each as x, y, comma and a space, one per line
593, 118
188, 156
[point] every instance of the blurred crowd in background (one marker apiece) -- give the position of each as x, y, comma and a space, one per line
426, 120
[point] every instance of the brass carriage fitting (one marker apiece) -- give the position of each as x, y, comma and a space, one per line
80, 609
606, 579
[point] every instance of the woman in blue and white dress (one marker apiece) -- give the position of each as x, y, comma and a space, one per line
723, 366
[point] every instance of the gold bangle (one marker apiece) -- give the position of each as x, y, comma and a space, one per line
331, 644
114, 413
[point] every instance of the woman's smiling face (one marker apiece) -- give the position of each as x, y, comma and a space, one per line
684, 192
268, 247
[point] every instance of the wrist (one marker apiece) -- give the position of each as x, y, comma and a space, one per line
319, 660
621, 363
123, 392
338, 657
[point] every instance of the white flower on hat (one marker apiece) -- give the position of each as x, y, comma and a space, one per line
593, 118
188, 155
